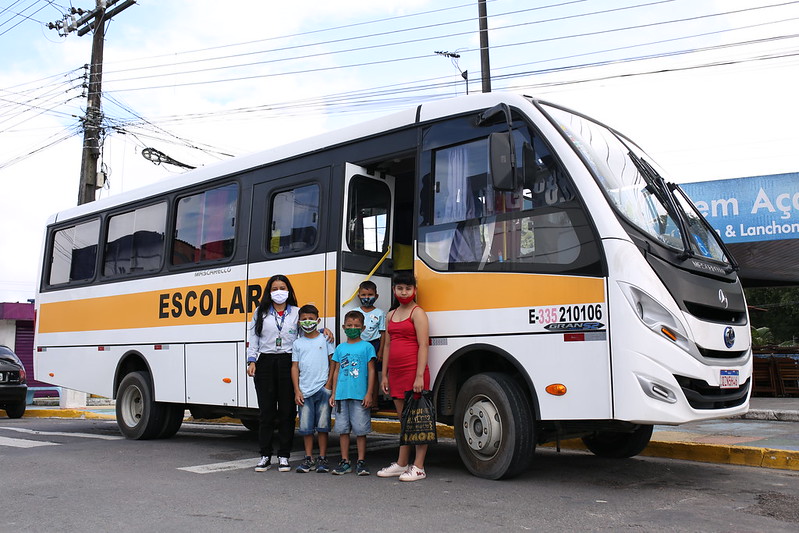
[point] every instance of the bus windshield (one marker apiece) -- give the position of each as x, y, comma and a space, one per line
637, 189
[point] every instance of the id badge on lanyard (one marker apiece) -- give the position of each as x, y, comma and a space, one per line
279, 325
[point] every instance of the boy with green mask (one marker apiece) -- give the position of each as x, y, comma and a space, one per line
353, 382
312, 378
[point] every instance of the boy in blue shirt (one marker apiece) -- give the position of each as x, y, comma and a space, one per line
353, 384
312, 377
374, 326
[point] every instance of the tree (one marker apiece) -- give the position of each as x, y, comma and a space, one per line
776, 308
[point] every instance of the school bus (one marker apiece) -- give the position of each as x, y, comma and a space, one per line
572, 291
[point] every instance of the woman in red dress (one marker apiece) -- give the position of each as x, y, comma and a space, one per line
405, 364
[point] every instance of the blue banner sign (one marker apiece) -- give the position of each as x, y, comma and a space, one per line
758, 208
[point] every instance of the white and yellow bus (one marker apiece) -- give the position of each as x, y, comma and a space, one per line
571, 291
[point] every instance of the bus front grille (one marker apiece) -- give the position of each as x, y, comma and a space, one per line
700, 395
720, 354
716, 314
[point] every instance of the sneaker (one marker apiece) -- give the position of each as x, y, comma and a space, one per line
393, 470
414, 473
306, 466
283, 465
361, 469
264, 464
342, 468
321, 465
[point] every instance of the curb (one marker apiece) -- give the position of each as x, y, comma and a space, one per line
67, 413
685, 451
709, 453
771, 415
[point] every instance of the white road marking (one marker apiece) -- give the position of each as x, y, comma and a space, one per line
206, 435
297, 456
24, 443
64, 434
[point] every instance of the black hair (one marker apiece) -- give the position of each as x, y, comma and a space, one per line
403, 277
309, 309
355, 314
368, 285
266, 301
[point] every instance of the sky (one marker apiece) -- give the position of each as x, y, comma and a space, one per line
706, 87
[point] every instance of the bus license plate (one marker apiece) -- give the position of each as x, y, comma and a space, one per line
729, 379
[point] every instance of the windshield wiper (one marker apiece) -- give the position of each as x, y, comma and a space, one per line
656, 185
733, 265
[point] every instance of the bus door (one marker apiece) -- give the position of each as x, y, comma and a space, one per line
286, 237
367, 236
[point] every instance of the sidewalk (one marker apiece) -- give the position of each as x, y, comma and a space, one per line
767, 436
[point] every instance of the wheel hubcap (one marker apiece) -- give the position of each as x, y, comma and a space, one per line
482, 427
132, 406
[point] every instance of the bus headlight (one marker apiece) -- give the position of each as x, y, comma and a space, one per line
656, 317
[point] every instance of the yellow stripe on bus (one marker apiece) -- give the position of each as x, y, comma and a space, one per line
463, 291
218, 303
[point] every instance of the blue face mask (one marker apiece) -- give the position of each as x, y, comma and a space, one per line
368, 302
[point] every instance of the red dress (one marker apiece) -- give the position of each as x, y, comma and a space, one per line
403, 356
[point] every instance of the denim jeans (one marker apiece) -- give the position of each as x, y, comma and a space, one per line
353, 417
315, 413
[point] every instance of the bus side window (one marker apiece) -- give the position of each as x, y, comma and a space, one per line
205, 226
294, 226
135, 241
538, 227
74, 253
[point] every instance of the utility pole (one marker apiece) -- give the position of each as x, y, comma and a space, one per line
485, 67
92, 130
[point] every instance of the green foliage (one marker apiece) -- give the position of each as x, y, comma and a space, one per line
762, 337
776, 310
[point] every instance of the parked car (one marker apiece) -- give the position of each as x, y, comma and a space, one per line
13, 387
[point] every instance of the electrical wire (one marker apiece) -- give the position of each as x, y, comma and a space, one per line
417, 57
355, 38
23, 17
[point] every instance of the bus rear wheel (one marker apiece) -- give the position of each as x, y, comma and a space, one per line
494, 427
139, 417
172, 420
253, 424
619, 444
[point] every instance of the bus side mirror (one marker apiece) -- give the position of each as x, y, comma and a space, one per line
501, 161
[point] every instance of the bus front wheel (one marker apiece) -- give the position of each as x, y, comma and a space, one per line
138, 415
619, 444
494, 427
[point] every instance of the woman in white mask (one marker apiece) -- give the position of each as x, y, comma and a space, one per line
273, 331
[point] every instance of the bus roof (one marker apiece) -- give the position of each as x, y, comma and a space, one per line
422, 113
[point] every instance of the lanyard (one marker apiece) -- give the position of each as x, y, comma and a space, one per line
279, 323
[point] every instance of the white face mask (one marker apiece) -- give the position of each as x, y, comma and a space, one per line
280, 297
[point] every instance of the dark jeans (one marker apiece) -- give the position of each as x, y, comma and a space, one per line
276, 402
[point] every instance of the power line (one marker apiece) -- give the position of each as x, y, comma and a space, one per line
424, 56
365, 47
23, 17
350, 39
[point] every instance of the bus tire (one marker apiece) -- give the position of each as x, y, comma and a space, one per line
494, 427
173, 419
253, 424
619, 444
15, 410
139, 417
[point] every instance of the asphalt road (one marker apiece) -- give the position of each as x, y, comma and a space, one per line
77, 475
